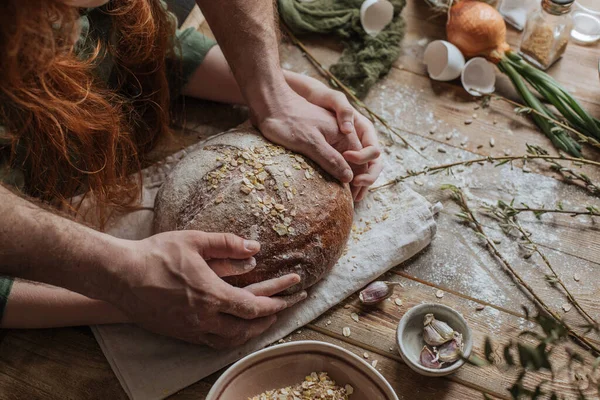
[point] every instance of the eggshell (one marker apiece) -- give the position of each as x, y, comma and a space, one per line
444, 61
375, 15
479, 77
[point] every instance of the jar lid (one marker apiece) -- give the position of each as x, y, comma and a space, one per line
557, 7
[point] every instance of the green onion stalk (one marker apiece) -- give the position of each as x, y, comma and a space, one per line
478, 29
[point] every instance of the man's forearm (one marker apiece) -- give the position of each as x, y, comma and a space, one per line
40, 246
246, 32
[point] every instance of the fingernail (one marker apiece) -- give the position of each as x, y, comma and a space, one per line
296, 278
303, 295
251, 245
347, 175
347, 127
249, 264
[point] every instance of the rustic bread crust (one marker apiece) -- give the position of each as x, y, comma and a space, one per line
240, 183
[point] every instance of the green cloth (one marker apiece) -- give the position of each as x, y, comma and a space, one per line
191, 49
5, 288
365, 58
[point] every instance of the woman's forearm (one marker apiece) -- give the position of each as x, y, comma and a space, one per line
213, 80
32, 305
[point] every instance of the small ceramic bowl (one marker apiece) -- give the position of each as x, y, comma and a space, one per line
287, 364
410, 336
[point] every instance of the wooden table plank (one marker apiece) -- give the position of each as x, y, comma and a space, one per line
68, 364
376, 330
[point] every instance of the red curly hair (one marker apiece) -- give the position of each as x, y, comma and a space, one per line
69, 131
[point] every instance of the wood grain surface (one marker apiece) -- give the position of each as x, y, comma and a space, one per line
68, 364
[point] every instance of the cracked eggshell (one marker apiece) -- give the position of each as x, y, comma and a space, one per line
479, 77
375, 15
444, 61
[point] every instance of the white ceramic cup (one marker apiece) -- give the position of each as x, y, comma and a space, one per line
479, 77
444, 60
375, 15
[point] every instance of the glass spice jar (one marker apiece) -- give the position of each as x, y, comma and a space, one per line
546, 34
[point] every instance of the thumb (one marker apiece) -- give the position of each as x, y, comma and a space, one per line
226, 245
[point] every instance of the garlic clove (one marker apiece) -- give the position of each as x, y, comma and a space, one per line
432, 337
436, 332
429, 359
452, 350
377, 292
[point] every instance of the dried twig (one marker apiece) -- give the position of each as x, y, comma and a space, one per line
336, 83
468, 216
592, 211
507, 215
498, 161
568, 174
522, 109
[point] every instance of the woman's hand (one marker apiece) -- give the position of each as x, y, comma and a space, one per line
350, 122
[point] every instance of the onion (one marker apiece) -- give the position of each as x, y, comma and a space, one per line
477, 29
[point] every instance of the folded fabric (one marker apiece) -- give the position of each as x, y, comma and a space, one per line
365, 58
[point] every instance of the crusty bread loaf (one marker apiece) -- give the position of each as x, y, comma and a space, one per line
241, 183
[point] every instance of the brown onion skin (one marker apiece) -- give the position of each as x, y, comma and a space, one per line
477, 29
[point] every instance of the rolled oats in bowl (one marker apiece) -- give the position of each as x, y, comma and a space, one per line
315, 386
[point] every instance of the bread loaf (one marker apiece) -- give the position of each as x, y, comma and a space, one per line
241, 183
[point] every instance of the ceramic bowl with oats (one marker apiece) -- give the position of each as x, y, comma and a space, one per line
434, 339
301, 363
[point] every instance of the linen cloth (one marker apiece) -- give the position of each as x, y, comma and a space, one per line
390, 226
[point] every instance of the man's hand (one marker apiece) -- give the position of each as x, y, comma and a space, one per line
304, 124
284, 116
311, 129
173, 287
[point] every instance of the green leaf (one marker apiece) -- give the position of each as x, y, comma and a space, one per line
488, 350
525, 311
476, 361
595, 364
533, 334
534, 358
507, 355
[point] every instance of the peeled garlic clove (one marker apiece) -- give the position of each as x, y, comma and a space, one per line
376, 292
436, 333
452, 350
428, 359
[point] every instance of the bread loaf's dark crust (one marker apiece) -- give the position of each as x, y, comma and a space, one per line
322, 209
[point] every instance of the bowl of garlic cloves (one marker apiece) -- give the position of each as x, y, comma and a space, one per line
434, 339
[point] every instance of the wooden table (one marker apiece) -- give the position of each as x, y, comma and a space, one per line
68, 364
